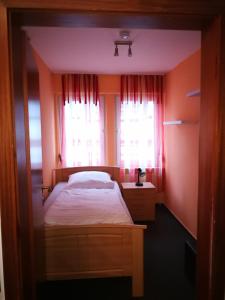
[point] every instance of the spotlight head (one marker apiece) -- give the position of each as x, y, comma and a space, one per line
129, 51
116, 53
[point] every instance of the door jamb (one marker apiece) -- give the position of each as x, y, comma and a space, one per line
10, 168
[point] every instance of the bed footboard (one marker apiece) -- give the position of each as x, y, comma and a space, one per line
92, 251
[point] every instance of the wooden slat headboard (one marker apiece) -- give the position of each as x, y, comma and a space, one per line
62, 174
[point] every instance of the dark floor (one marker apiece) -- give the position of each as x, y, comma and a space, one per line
166, 276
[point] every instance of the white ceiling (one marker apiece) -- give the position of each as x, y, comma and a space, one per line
91, 50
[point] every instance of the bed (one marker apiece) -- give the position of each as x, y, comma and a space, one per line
92, 249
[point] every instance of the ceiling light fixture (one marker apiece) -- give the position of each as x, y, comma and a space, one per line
123, 43
124, 35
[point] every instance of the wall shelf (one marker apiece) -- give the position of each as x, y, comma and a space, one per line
174, 122
195, 93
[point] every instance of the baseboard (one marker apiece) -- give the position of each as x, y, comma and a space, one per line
190, 261
179, 220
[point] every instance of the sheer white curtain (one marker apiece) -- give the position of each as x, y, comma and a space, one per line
83, 134
141, 141
136, 140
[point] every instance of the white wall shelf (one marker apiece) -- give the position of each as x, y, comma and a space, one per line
174, 122
195, 93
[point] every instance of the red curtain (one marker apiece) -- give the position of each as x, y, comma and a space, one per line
137, 88
78, 87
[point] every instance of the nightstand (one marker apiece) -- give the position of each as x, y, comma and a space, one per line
140, 200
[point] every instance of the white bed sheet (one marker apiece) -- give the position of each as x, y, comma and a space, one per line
86, 206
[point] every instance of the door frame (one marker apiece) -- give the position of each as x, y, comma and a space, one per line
211, 218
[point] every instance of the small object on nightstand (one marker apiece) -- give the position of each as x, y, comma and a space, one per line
140, 174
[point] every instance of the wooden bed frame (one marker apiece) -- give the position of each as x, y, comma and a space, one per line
93, 251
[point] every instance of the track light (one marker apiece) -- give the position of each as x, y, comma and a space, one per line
122, 43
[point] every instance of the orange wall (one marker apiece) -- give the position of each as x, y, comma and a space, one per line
109, 87
47, 120
182, 142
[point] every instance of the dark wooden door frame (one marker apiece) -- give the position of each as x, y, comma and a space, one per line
8, 179
211, 230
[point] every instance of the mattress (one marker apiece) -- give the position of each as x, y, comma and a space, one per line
86, 206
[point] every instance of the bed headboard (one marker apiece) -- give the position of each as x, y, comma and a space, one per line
62, 174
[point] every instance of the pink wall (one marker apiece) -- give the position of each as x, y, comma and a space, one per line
182, 142
47, 120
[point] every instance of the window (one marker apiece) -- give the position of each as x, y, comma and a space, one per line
140, 139
83, 133
136, 147
82, 121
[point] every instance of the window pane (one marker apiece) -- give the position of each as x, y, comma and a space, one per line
137, 134
83, 145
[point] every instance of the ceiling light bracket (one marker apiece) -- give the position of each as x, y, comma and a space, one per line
126, 43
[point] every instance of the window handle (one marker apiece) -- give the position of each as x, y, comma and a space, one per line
45, 190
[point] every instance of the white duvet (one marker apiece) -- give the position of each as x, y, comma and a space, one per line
86, 206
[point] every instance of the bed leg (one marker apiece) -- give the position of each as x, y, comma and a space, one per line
138, 270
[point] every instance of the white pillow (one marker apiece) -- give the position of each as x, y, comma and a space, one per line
90, 180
